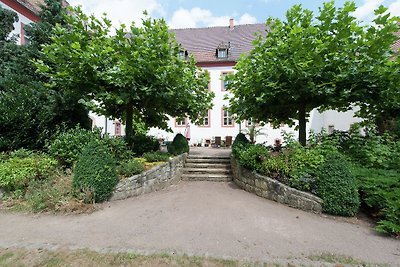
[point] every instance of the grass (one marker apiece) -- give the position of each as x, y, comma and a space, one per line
340, 259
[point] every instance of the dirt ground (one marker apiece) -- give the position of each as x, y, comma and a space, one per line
202, 218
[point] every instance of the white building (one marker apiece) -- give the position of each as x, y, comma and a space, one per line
217, 49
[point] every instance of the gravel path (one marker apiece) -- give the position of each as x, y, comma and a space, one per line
201, 218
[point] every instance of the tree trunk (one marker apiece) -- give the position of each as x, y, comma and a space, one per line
302, 125
129, 121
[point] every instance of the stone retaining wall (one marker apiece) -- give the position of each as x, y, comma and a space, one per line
272, 189
155, 179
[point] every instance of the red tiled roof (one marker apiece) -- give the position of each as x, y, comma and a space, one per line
202, 43
34, 5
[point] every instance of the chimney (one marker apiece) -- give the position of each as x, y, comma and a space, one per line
231, 24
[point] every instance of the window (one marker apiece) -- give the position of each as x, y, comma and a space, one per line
117, 128
227, 120
205, 122
180, 122
331, 129
222, 53
224, 81
183, 55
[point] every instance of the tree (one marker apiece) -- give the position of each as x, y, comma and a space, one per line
130, 76
329, 62
31, 113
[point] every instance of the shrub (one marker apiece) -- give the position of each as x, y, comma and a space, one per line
239, 144
16, 173
179, 145
117, 147
68, 146
130, 167
156, 156
253, 156
337, 186
380, 193
143, 144
95, 172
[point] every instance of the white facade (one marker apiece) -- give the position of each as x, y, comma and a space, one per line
198, 135
109, 126
23, 14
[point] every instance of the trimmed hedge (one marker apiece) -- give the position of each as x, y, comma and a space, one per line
95, 173
239, 144
156, 156
337, 187
179, 145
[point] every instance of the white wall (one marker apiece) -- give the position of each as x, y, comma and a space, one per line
17, 25
100, 122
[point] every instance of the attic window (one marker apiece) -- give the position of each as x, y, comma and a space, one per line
222, 53
183, 55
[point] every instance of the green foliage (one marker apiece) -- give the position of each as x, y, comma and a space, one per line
95, 172
337, 186
328, 61
239, 144
179, 145
137, 77
380, 193
143, 144
130, 167
17, 172
252, 157
156, 156
68, 145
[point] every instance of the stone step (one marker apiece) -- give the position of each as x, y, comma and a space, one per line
207, 157
209, 165
206, 171
207, 177
208, 160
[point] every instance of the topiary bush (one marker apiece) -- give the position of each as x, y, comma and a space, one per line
156, 156
95, 172
337, 187
17, 172
143, 144
239, 144
130, 167
179, 145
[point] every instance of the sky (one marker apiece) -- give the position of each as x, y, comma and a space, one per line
208, 13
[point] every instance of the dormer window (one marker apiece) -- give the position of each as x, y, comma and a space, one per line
222, 53
222, 50
183, 55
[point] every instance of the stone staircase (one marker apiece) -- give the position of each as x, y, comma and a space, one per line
207, 168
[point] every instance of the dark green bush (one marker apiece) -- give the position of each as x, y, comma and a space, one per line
179, 145
143, 144
130, 167
239, 144
253, 156
117, 147
155, 156
380, 194
337, 186
95, 172
16, 173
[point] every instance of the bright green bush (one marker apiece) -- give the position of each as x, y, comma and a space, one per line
179, 145
130, 167
156, 156
253, 156
68, 146
143, 144
16, 173
239, 144
95, 172
337, 186
380, 193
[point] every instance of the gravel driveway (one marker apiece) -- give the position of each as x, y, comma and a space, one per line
202, 218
